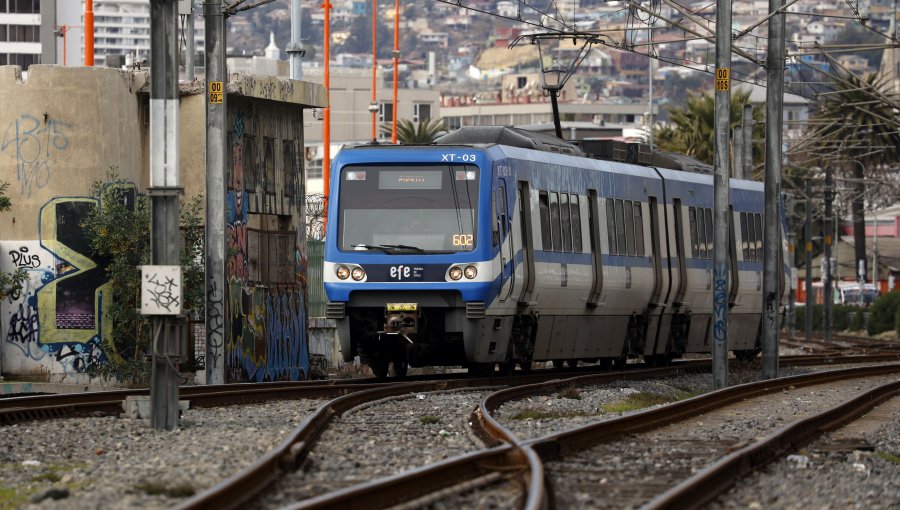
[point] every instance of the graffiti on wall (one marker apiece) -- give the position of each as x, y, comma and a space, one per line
37, 144
267, 334
265, 325
57, 321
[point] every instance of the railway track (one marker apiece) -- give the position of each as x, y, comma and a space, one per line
516, 462
839, 344
480, 484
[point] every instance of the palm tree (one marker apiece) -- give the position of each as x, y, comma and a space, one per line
859, 125
411, 133
692, 127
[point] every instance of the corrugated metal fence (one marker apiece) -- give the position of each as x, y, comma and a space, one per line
315, 287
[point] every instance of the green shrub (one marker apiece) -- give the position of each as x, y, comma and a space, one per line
897, 322
883, 312
818, 314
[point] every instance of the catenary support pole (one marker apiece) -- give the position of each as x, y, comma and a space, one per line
214, 54
747, 140
295, 49
164, 195
373, 106
190, 47
326, 127
773, 269
737, 167
807, 234
826, 265
721, 194
792, 264
89, 32
396, 56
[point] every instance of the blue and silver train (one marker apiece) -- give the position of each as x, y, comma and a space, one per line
500, 246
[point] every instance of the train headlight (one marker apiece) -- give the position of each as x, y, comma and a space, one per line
358, 273
455, 273
471, 272
342, 272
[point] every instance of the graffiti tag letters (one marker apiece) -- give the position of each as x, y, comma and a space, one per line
35, 142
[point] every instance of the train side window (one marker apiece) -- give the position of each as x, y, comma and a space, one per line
701, 231
745, 243
692, 217
638, 229
611, 226
576, 223
629, 226
566, 221
554, 221
544, 204
620, 228
757, 218
709, 233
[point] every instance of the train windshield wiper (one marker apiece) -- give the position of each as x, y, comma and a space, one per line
389, 248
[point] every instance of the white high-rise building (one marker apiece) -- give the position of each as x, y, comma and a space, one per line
121, 27
20, 32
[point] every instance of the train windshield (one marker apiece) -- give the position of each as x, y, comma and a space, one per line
402, 209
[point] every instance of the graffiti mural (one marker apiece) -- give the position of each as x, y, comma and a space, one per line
267, 334
265, 308
36, 143
32, 342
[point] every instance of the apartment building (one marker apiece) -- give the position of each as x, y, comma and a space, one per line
24, 24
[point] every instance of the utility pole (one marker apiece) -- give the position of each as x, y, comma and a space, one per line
747, 139
396, 56
295, 49
807, 233
826, 266
737, 142
214, 55
164, 194
721, 193
89, 33
772, 268
190, 49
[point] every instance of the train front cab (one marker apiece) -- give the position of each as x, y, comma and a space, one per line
409, 260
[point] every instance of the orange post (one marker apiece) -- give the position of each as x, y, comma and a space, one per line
89, 32
374, 68
396, 67
326, 129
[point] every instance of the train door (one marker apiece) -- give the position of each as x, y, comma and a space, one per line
655, 251
597, 259
524, 200
507, 250
679, 253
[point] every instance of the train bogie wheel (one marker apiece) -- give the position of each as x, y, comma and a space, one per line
606, 363
557, 364
400, 368
572, 363
618, 363
506, 369
379, 366
747, 355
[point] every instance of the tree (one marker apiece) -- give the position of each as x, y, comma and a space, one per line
412, 133
692, 127
858, 122
10, 283
119, 234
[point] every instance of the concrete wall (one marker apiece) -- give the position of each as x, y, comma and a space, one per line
62, 130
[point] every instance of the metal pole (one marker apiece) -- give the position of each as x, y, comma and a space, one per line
650, 79
326, 127
89, 32
373, 106
738, 160
396, 56
164, 193
295, 49
826, 266
214, 55
807, 234
555, 105
190, 48
792, 264
721, 194
747, 139
772, 268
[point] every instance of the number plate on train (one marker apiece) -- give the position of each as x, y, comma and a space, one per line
402, 307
